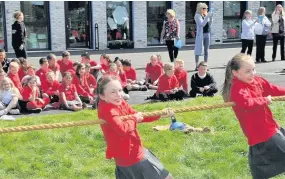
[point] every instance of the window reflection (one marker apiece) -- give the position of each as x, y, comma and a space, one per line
2, 27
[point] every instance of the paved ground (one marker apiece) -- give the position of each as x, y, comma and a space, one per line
217, 59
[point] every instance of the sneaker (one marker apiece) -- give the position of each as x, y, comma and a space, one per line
2, 106
37, 110
14, 112
3, 112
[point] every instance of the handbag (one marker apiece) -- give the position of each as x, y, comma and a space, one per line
177, 43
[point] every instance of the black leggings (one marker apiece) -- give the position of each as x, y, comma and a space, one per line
247, 44
210, 92
276, 38
21, 53
171, 48
176, 96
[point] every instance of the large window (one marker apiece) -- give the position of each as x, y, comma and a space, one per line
2, 26
233, 13
156, 14
36, 18
190, 22
119, 20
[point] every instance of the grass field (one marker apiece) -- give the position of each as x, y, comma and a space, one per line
80, 152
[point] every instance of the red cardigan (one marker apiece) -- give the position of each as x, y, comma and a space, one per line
122, 137
252, 111
166, 84
82, 88
182, 78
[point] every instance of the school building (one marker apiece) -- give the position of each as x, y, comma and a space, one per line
61, 25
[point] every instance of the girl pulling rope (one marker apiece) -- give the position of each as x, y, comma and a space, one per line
252, 95
132, 160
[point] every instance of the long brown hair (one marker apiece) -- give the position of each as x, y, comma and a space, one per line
233, 64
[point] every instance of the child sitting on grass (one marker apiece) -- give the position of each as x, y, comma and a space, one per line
159, 61
31, 72
202, 82
105, 62
31, 95
181, 74
65, 63
153, 72
53, 65
50, 88
14, 76
23, 68
9, 96
94, 67
91, 80
168, 86
41, 73
69, 98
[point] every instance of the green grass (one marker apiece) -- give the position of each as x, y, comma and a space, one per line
80, 152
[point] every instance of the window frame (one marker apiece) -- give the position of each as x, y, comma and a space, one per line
168, 6
47, 10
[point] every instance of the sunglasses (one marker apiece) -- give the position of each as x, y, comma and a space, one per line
205, 8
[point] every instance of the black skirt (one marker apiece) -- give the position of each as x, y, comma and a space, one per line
148, 168
267, 159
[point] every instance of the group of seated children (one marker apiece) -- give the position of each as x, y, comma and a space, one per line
171, 83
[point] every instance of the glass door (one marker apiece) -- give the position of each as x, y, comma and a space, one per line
77, 18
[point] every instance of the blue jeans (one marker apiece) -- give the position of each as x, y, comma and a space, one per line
206, 43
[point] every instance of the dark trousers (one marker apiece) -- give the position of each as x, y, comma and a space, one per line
84, 99
260, 47
246, 44
176, 96
171, 48
21, 53
54, 99
210, 92
277, 37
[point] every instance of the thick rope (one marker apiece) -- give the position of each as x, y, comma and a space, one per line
145, 114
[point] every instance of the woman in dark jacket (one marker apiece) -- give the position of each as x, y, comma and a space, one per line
19, 35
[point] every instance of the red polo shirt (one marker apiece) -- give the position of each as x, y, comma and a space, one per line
182, 78
41, 73
54, 68
105, 67
131, 74
72, 71
122, 138
154, 72
21, 73
50, 88
92, 64
27, 92
91, 80
82, 87
166, 84
64, 66
16, 80
251, 109
69, 91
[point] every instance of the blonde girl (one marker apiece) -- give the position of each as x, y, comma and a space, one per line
9, 96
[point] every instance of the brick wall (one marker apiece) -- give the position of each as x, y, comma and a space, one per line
57, 25
140, 24
10, 8
99, 16
217, 26
180, 9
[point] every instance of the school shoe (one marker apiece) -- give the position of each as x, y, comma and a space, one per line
3, 112
14, 112
2, 106
37, 110
264, 61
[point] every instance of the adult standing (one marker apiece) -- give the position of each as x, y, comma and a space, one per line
203, 21
19, 35
247, 35
171, 31
262, 28
278, 19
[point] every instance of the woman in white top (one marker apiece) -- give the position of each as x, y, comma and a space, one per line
261, 30
247, 35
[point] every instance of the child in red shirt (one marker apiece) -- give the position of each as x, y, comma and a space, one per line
69, 98
122, 138
105, 63
50, 88
31, 72
252, 96
94, 67
91, 80
74, 67
181, 74
41, 73
159, 61
153, 72
23, 68
168, 86
31, 95
65, 64
82, 86
14, 76
53, 65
